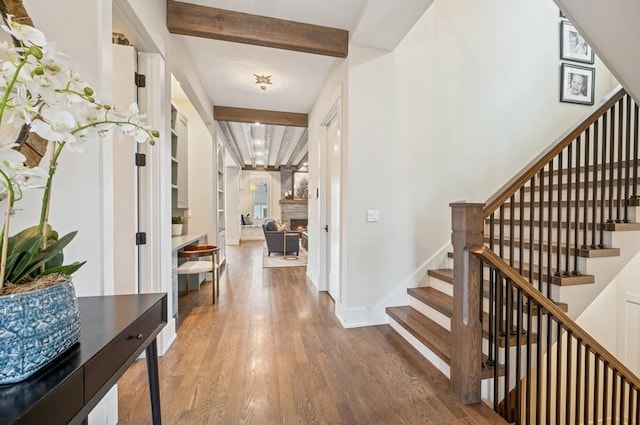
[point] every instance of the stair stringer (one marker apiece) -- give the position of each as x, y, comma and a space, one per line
398, 294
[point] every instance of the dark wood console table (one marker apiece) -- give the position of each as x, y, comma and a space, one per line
115, 330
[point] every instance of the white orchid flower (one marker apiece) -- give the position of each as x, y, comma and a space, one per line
25, 33
56, 125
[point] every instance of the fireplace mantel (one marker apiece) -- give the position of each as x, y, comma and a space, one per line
293, 201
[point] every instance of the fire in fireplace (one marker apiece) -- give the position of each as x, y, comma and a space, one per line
298, 224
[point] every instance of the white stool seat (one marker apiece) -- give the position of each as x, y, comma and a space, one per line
192, 267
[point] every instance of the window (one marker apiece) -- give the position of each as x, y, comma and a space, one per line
259, 198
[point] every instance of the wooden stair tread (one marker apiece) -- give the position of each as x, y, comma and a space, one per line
632, 202
614, 183
582, 252
562, 279
428, 332
446, 275
432, 335
444, 304
435, 299
611, 227
621, 227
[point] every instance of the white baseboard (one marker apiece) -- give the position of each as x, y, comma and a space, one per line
166, 336
353, 317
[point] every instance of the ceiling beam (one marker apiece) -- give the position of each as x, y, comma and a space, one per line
227, 25
292, 119
260, 168
231, 144
301, 146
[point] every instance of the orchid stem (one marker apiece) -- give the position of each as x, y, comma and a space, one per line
46, 198
5, 228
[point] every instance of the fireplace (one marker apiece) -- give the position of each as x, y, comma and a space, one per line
298, 223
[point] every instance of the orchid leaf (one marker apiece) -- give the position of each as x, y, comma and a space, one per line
25, 258
68, 269
46, 254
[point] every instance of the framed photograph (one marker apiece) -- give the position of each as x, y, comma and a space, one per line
300, 185
572, 45
577, 84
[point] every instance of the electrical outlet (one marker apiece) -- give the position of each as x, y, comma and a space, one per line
373, 216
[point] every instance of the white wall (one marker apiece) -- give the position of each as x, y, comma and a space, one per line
201, 164
613, 318
464, 102
82, 188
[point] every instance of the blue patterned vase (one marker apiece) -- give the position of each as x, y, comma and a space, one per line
35, 328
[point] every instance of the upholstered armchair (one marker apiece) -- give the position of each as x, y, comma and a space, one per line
275, 239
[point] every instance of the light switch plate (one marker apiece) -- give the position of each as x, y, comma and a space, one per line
373, 215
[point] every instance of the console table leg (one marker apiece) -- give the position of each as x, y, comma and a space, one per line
154, 382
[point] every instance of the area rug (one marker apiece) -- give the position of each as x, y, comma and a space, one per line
277, 260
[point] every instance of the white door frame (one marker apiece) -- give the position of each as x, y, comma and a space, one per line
154, 178
125, 177
325, 207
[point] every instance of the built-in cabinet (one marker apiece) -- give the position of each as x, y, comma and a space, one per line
220, 185
179, 160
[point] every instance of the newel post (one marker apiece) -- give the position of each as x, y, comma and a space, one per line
466, 328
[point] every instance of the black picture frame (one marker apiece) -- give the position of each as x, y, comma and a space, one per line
573, 47
577, 84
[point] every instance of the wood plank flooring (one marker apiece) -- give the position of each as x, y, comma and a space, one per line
272, 352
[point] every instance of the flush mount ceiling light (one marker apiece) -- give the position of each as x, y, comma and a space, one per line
263, 80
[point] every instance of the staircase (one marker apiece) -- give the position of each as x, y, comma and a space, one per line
546, 244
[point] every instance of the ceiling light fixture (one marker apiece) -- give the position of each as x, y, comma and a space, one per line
263, 81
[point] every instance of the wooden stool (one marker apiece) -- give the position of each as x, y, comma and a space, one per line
194, 265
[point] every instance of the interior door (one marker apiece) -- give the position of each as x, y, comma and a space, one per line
125, 197
334, 165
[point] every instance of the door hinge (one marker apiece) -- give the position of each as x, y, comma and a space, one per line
140, 159
140, 80
141, 238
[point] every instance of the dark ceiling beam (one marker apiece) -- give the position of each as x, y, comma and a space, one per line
291, 119
260, 168
227, 25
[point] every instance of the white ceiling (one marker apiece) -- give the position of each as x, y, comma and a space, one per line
226, 69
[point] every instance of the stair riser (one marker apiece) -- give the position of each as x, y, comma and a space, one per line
440, 364
444, 287
607, 196
431, 313
444, 321
526, 232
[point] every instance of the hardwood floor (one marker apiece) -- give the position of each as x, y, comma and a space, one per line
272, 352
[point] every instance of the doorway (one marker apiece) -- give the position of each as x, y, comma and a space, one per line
126, 178
332, 227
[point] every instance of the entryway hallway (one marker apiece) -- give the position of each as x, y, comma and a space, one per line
272, 352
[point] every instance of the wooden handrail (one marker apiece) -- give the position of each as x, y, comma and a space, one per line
538, 163
488, 256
